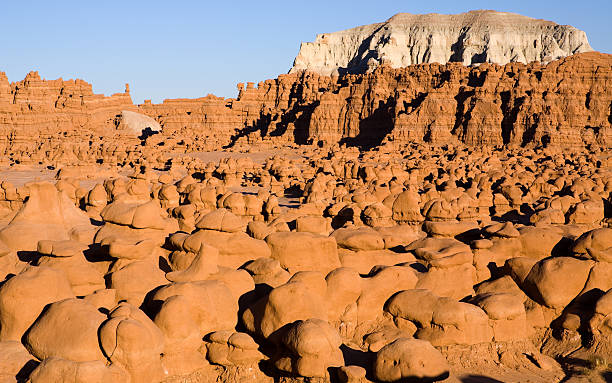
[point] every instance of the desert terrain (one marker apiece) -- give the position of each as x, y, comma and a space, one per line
391, 210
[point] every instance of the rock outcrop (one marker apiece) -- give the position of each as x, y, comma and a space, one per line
143, 257
39, 106
137, 123
469, 38
431, 263
565, 103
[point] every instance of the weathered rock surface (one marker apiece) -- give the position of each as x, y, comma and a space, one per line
137, 123
469, 38
140, 257
566, 103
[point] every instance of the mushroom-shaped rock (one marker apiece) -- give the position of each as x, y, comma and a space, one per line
47, 214
595, 244
295, 300
555, 282
440, 210
406, 207
311, 347
67, 329
407, 359
131, 340
363, 238
230, 348
221, 220
23, 298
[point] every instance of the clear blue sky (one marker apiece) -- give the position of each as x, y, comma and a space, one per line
170, 49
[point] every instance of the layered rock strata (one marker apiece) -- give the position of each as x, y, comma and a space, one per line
469, 38
567, 103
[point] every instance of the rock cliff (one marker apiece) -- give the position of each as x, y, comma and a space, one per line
58, 121
469, 38
566, 103
35, 105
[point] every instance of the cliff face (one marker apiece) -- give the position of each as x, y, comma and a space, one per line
59, 121
468, 38
34, 106
565, 103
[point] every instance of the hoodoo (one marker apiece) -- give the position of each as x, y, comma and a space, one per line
403, 215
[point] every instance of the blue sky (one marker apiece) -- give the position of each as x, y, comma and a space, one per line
171, 49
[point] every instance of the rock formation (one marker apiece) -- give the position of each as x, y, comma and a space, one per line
469, 38
137, 123
473, 244
567, 103
51, 106
430, 263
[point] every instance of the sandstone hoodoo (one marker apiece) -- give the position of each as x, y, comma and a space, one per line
469, 38
427, 223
